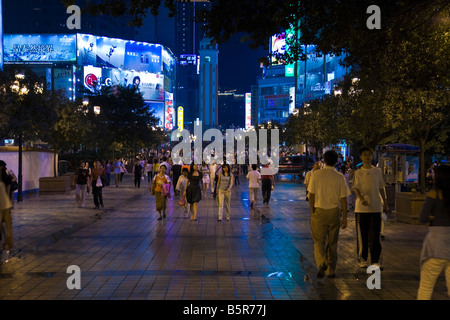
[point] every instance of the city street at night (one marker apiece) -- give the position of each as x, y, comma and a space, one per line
118, 117
124, 252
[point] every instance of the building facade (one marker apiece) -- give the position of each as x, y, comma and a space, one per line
209, 81
75, 63
282, 88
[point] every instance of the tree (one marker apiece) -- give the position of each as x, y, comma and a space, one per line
317, 125
418, 91
408, 54
23, 108
124, 119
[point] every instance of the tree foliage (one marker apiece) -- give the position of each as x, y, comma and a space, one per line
25, 115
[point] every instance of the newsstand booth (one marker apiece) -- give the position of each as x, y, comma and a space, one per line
400, 166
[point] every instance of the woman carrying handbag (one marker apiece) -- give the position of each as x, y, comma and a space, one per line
159, 189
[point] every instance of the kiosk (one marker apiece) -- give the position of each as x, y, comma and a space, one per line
400, 165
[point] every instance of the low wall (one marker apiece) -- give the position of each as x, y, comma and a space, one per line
408, 206
36, 163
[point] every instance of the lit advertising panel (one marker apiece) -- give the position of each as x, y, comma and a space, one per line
87, 49
142, 57
186, 59
92, 78
117, 53
149, 84
168, 63
110, 52
62, 80
278, 46
248, 110
158, 111
291, 100
169, 112
39, 48
180, 118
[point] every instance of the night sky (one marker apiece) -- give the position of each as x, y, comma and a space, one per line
238, 65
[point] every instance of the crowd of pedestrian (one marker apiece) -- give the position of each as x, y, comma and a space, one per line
331, 189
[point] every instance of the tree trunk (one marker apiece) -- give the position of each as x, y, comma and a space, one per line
55, 172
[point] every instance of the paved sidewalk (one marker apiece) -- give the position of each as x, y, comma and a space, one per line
124, 252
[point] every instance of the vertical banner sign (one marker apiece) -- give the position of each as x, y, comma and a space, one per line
180, 119
248, 110
169, 112
291, 100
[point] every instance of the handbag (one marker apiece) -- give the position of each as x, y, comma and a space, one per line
165, 190
182, 201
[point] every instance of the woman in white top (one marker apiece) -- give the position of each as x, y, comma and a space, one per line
254, 183
206, 178
224, 185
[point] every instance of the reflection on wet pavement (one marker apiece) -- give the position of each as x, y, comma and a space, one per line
262, 253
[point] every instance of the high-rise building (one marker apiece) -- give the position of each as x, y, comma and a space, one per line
188, 34
231, 110
209, 81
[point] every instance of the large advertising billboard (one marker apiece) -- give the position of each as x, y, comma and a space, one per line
149, 84
39, 48
118, 53
277, 47
158, 111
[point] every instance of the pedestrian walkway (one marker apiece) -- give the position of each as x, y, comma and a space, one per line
124, 252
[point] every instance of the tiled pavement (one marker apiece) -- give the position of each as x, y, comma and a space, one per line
124, 252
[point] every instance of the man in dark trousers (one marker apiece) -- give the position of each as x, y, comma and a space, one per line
176, 172
328, 192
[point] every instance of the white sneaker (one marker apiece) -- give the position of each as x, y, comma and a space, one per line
363, 264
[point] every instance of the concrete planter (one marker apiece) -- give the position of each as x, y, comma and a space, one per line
408, 206
55, 185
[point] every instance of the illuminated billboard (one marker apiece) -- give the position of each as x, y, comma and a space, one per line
39, 48
157, 109
248, 110
149, 84
277, 47
169, 112
168, 61
186, 59
118, 53
180, 118
143, 57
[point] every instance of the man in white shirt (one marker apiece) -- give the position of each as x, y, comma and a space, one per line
328, 194
254, 183
370, 192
